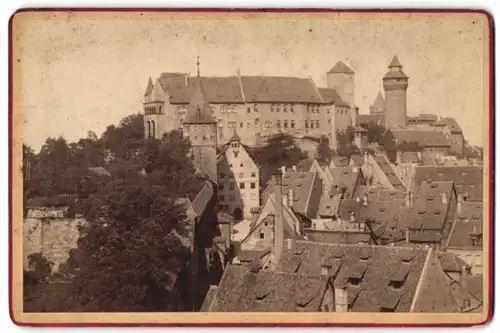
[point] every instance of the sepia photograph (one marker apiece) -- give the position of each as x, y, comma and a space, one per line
245, 167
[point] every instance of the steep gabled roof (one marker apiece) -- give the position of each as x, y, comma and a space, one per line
242, 290
340, 68
280, 89
332, 96
468, 224
149, 87
378, 105
198, 110
395, 62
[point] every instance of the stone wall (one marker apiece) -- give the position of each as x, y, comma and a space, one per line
47, 231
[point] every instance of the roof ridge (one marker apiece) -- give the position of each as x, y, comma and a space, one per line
316, 89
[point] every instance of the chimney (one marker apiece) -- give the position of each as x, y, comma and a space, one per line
326, 269
353, 217
289, 244
365, 157
186, 81
407, 234
444, 198
358, 199
279, 232
459, 206
294, 168
355, 169
463, 277
290, 197
365, 200
341, 304
419, 155
283, 170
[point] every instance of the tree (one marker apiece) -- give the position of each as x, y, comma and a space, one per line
125, 139
324, 152
345, 143
279, 150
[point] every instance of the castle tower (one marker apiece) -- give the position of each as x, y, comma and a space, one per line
378, 106
395, 85
201, 128
341, 78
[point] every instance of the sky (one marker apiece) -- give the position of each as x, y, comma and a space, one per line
80, 74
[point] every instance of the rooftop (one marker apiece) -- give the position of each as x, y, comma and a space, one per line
423, 138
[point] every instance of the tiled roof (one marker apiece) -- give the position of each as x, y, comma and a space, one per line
409, 157
332, 96
389, 172
423, 138
340, 161
305, 165
468, 180
100, 171
376, 266
202, 199
428, 159
375, 119
212, 291
280, 89
344, 177
302, 184
358, 160
329, 205
451, 123
468, 223
242, 290
395, 62
451, 262
379, 103
340, 67
430, 212
198, 109
234, 89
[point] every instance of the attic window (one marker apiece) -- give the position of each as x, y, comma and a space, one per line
437, 212
383, 309
430, 198
398, 277
421, 211
381, 209
261, 234
261, 296
407, 257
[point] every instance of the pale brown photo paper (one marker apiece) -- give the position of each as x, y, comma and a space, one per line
338, 158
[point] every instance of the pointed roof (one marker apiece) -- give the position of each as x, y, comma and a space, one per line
395, 62
149, 88
235, 136
198, 110
379, 103
340, 67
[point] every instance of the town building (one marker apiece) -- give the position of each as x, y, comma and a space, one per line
261, 105
238, 180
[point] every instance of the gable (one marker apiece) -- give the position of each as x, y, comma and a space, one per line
157, 94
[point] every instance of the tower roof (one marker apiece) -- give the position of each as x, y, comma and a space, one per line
379, 103
149, 88
340, 67
395, 62
235, 136
198, 110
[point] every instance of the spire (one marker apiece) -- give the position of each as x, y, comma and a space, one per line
235, 136
149, 88
395, 63
378, 105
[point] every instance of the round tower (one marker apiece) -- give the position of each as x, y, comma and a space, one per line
341, 78
395, 85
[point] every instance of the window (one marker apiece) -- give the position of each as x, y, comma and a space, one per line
221, 198
221, 175
221, 207
329, 121
254, 175
161, 109
231, 197
292, 123
242, 186
285, 108
307, 108
223, 109
277, 108
249, 110
261, 234
312, 124
231, 186
231, 124
317, 123
241, 175
354, 281
241, 125
221, 134
252, 185
241, 165
328, 110
221, 186
253, 196
272, 107
285, 123
255, 108
278, 124
204, 138
291, 108
307, 124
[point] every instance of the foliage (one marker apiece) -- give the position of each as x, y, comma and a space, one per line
324, 153
279, 150
345, 143
126, 138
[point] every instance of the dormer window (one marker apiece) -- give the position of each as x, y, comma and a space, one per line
398, 277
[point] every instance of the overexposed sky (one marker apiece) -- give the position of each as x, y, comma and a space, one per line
84, 74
